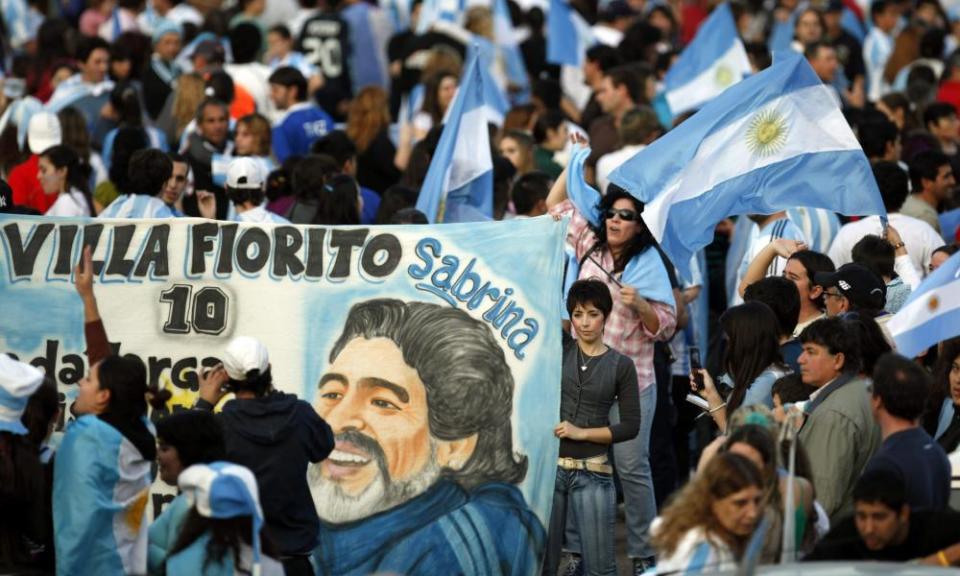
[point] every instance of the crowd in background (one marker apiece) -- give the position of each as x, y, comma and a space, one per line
811, 435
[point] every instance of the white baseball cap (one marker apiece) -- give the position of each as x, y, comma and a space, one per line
43, 132
244, 354
244, 173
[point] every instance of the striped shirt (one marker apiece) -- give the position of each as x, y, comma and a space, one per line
137, 206
819, 226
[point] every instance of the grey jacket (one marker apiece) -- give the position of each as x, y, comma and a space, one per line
840, 436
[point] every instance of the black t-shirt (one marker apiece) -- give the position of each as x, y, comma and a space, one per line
325, 41
930, 531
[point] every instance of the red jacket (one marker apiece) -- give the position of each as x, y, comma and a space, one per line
26, 186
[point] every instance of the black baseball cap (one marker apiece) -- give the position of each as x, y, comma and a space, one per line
860, 286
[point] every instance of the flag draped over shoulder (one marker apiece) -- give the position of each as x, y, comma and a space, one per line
711, 63
932, 313
774, 141
459, 183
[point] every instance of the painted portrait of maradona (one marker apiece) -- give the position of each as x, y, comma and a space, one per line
424, 477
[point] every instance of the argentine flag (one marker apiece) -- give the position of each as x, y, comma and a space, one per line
459, 182
509, 51
495, 101
932, 313
568, 35
711, 63
774, 141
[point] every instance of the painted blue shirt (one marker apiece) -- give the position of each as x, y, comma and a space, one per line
443, 531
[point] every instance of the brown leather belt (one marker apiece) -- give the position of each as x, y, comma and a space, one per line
596, 464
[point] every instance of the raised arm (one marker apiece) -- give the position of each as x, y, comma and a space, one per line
98, 347
758, 267
558, 193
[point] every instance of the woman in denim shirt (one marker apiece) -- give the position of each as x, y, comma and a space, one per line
593, 377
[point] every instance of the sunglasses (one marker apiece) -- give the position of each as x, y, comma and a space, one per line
625, 215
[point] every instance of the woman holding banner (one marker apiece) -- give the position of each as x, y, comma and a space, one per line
608, 240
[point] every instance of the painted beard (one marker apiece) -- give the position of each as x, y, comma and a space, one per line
335, 506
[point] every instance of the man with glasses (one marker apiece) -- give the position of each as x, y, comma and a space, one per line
852, 288
839, 434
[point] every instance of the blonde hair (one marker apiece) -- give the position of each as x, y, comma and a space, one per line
260, 127
692, 506
187, 97
367, 116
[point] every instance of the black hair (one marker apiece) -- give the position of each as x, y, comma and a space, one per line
338, 201
409, 215
126, 102
149, 171
549, 120
469, 385
876, 255
310, 174
879, 7
932, 42
87, 45
814, 262
883, 486
590, 291
834, 335
753, 345
129, 141
530, 189
241, 196
196, 434
790, 389
245, 42
395, 199
781, 296
893, 184
812, 49
605, 57
260, 383
548, 92
926, 166
902, 385
278, 185
78, 173
937, 111
223, 89
42, 408
627, 75
948, 249
125, 377
227, 535
874, 136
642, 240
872, 342
337, 145
639, 42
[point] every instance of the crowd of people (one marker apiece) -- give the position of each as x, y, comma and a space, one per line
801, 435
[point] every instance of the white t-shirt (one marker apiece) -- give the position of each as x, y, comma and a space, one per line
610, 162
919, 238
69, 204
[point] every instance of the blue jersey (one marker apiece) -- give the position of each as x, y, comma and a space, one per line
297, 130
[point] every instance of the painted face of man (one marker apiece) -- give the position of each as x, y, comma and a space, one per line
385, 453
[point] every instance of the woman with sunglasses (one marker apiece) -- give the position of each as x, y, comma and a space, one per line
608, 241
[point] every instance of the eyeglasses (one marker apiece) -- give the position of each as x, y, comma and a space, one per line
833, 294
625, 215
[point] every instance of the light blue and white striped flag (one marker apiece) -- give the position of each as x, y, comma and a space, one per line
774, 141
439, 11
495, 101
711, 63
459, 182
932, 313
568, 35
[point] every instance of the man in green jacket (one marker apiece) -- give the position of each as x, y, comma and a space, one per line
840, 434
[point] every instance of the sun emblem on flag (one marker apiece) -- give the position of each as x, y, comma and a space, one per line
767, 133
933, 303
723, 77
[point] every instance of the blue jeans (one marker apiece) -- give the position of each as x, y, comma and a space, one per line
591, 500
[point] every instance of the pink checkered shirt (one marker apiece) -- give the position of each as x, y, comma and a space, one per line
624, 332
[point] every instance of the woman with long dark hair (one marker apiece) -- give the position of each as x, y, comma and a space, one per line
439, 90
102, 478
340, 202
751, 361
610, 242
594, 376
709, 522
62, 174
222, 531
